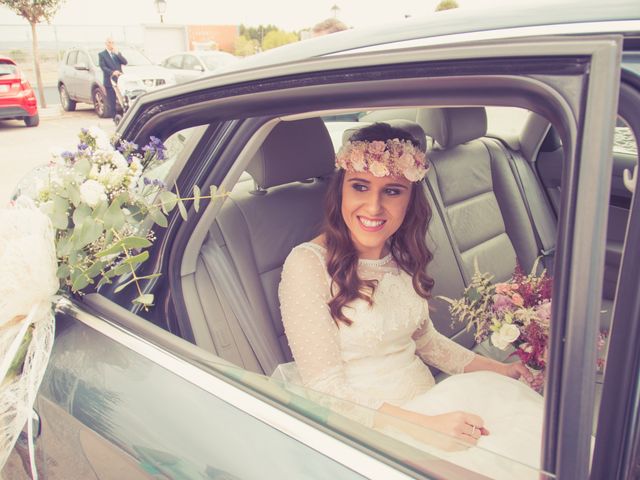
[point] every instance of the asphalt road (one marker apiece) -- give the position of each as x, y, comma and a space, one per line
22, 148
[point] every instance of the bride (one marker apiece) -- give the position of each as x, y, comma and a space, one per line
354, 306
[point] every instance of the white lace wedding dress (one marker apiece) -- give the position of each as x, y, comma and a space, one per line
381, 358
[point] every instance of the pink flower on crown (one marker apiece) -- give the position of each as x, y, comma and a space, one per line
376, 147
405, 161
357, 160
378, 169
415, 173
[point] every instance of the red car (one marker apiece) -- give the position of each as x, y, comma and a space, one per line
17, 98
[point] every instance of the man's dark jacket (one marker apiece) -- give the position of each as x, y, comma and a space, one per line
109, 65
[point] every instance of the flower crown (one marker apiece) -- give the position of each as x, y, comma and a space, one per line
384, 158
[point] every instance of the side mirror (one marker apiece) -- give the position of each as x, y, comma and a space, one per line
81, 66
198, 68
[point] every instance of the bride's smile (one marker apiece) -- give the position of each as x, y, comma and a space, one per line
373, 209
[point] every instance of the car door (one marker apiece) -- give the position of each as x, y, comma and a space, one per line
122, 395
85, 76
571, 386
69, 73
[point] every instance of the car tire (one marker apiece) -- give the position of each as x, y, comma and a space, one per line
68, 105
99, 103
32, 121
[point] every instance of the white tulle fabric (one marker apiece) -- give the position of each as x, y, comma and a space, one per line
381, 358
27, 285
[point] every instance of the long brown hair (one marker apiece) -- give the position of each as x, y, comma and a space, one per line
408, 245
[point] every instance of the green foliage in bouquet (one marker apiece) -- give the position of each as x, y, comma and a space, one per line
102, 207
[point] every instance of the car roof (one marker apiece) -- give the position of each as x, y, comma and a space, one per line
453, 22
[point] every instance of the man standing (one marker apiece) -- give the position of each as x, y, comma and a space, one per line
111, 62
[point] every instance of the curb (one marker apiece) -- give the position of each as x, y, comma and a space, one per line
50, 112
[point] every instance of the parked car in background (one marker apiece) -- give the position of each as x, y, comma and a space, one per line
518, 113
80, 77
190, 65
17, 98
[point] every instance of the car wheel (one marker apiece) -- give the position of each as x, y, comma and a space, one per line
68, 105
32, 121
99, 103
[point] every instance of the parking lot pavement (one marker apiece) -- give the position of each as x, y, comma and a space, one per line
22, 149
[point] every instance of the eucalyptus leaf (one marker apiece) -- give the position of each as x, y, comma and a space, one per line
114, 217
136, 259
88, 231
136, 242
158, 217
80, 213
121, 287
182, 209
95, 269
149, 277
63, 271
81, 281
145, 299
196, 198
212, 190
83, 167
168, 200
73, 192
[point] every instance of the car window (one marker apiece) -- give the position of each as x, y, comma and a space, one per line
191, 63
83, 58
71, 58
623, 140
173, 62
7, 68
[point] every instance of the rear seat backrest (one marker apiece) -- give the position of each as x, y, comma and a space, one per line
259, 229
475, 190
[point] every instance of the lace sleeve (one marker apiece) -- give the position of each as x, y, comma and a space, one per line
438, 350
310, 329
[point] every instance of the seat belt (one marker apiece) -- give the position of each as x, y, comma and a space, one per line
545, 237
225, 278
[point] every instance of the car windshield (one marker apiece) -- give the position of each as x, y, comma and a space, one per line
134, 57
7, 68
218, 60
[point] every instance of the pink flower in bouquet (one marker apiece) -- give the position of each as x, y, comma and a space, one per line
501, 302
504, 288
517, 299
543, 312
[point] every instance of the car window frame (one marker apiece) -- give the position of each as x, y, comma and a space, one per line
587, 48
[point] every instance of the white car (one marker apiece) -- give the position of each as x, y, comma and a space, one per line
191, 65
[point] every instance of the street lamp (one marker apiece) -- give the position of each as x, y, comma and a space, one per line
161, 7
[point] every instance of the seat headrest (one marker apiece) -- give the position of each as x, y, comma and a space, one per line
453, 126
412, 128
294, 151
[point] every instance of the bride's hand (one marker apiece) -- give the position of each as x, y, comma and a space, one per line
459, 425
517, 370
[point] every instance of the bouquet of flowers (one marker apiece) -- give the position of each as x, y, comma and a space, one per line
514, 314
102, 206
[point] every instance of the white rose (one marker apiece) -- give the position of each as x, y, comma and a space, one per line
405, 162
92, 193
415, 173
101, 138
118, 161
503, 337
378, 169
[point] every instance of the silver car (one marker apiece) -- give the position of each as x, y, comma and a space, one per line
80, 78
191, 65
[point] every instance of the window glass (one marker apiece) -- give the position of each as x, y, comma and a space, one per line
191, 63
173, 62
83, 58
71, 59
7, 68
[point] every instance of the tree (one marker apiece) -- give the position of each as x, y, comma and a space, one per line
34, 12
277, 38
446, 5
245, 46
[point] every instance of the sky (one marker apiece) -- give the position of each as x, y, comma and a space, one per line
286, 14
